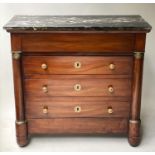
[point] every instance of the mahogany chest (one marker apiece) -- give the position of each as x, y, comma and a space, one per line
78, 75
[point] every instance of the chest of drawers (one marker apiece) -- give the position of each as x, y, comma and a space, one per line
78, 75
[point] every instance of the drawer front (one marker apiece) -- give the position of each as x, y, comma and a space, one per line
61, 86
78, 42
77, 107
77, 65
78, 126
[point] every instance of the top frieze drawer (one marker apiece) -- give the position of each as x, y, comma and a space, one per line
77, 42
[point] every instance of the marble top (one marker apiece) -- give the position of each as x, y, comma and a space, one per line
77, 23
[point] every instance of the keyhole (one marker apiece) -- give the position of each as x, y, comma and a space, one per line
77, 64
77, 109
77, 87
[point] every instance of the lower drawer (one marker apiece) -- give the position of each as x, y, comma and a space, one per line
78, 126
60, 107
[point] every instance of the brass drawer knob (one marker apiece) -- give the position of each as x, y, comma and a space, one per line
77, 64
44, 66
77, 87
110, 89
77, 109
45, 109
112, 66
110, 110
45, 89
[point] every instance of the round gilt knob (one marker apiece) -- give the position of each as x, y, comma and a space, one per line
45, 89
110, 89
77, 109
44, 66
45, 109
112, 66
110, 110
77, 87
77, 64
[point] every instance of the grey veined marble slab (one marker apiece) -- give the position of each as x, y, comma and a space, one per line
78, 23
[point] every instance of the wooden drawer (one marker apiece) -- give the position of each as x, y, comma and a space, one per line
77, 65
75, 107
78, 42
78, 126
77, 86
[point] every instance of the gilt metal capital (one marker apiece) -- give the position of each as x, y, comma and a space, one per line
138, 55
16, 54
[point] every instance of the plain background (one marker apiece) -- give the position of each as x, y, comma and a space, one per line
7, 110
